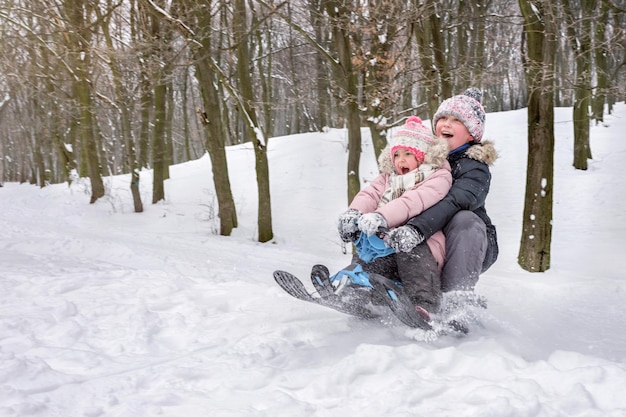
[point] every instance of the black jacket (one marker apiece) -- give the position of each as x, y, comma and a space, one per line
470, 186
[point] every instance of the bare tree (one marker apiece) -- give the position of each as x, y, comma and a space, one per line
77, 27
578, 20
122, 106
540, 33
601, 55
429, 36
346, 77
322, 78
204, 52
381, 41
158, 72
245, 107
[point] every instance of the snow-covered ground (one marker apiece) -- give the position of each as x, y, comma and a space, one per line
104, 312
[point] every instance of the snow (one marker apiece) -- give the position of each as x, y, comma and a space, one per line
104, 312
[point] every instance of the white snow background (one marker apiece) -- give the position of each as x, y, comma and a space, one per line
105, 312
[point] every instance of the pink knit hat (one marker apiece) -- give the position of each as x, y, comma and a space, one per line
414, 137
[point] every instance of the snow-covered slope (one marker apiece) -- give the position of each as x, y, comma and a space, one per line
104, 312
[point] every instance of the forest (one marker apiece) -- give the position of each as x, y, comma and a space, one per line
104, 87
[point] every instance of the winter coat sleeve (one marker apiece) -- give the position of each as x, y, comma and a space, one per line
414, 201
469, 192
366, 200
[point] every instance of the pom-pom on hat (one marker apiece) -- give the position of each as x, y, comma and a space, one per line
467, 108
414, 137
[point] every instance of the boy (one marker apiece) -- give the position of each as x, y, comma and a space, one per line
471, 240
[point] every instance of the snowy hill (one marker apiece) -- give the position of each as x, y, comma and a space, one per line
104, 312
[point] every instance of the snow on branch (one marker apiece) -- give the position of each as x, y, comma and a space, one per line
174, 20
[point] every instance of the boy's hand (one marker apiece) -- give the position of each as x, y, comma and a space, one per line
404, 238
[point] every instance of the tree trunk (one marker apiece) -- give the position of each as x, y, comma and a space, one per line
169, 117
38, 163
146, 103
347, 79
423, 33
215, 142
122, 104
265, 68
186, 151
379, 62
582, 147
79, 44
159, 159
580, 38
322, 78
602, 63
479, 10
211, 117
434, 61
158, 80
249, 115
539, 18
88, 138
440, 55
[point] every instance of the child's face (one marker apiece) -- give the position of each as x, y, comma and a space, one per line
404, 161
452, 130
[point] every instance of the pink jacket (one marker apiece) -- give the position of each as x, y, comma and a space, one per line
399, 210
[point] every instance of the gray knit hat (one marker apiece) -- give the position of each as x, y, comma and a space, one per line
467, 108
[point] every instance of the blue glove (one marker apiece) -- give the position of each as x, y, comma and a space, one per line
371, 223
404, 238
347, 225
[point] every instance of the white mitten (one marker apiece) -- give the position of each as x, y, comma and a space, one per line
370, 223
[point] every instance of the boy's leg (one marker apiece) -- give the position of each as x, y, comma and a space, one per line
466, 245
420, 277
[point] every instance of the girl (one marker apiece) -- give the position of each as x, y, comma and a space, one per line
414, 175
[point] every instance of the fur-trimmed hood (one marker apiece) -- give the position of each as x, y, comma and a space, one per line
483, 152
436, 156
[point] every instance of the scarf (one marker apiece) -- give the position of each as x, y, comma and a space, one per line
399, 184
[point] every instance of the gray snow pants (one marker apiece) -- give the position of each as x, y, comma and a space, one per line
466, 246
